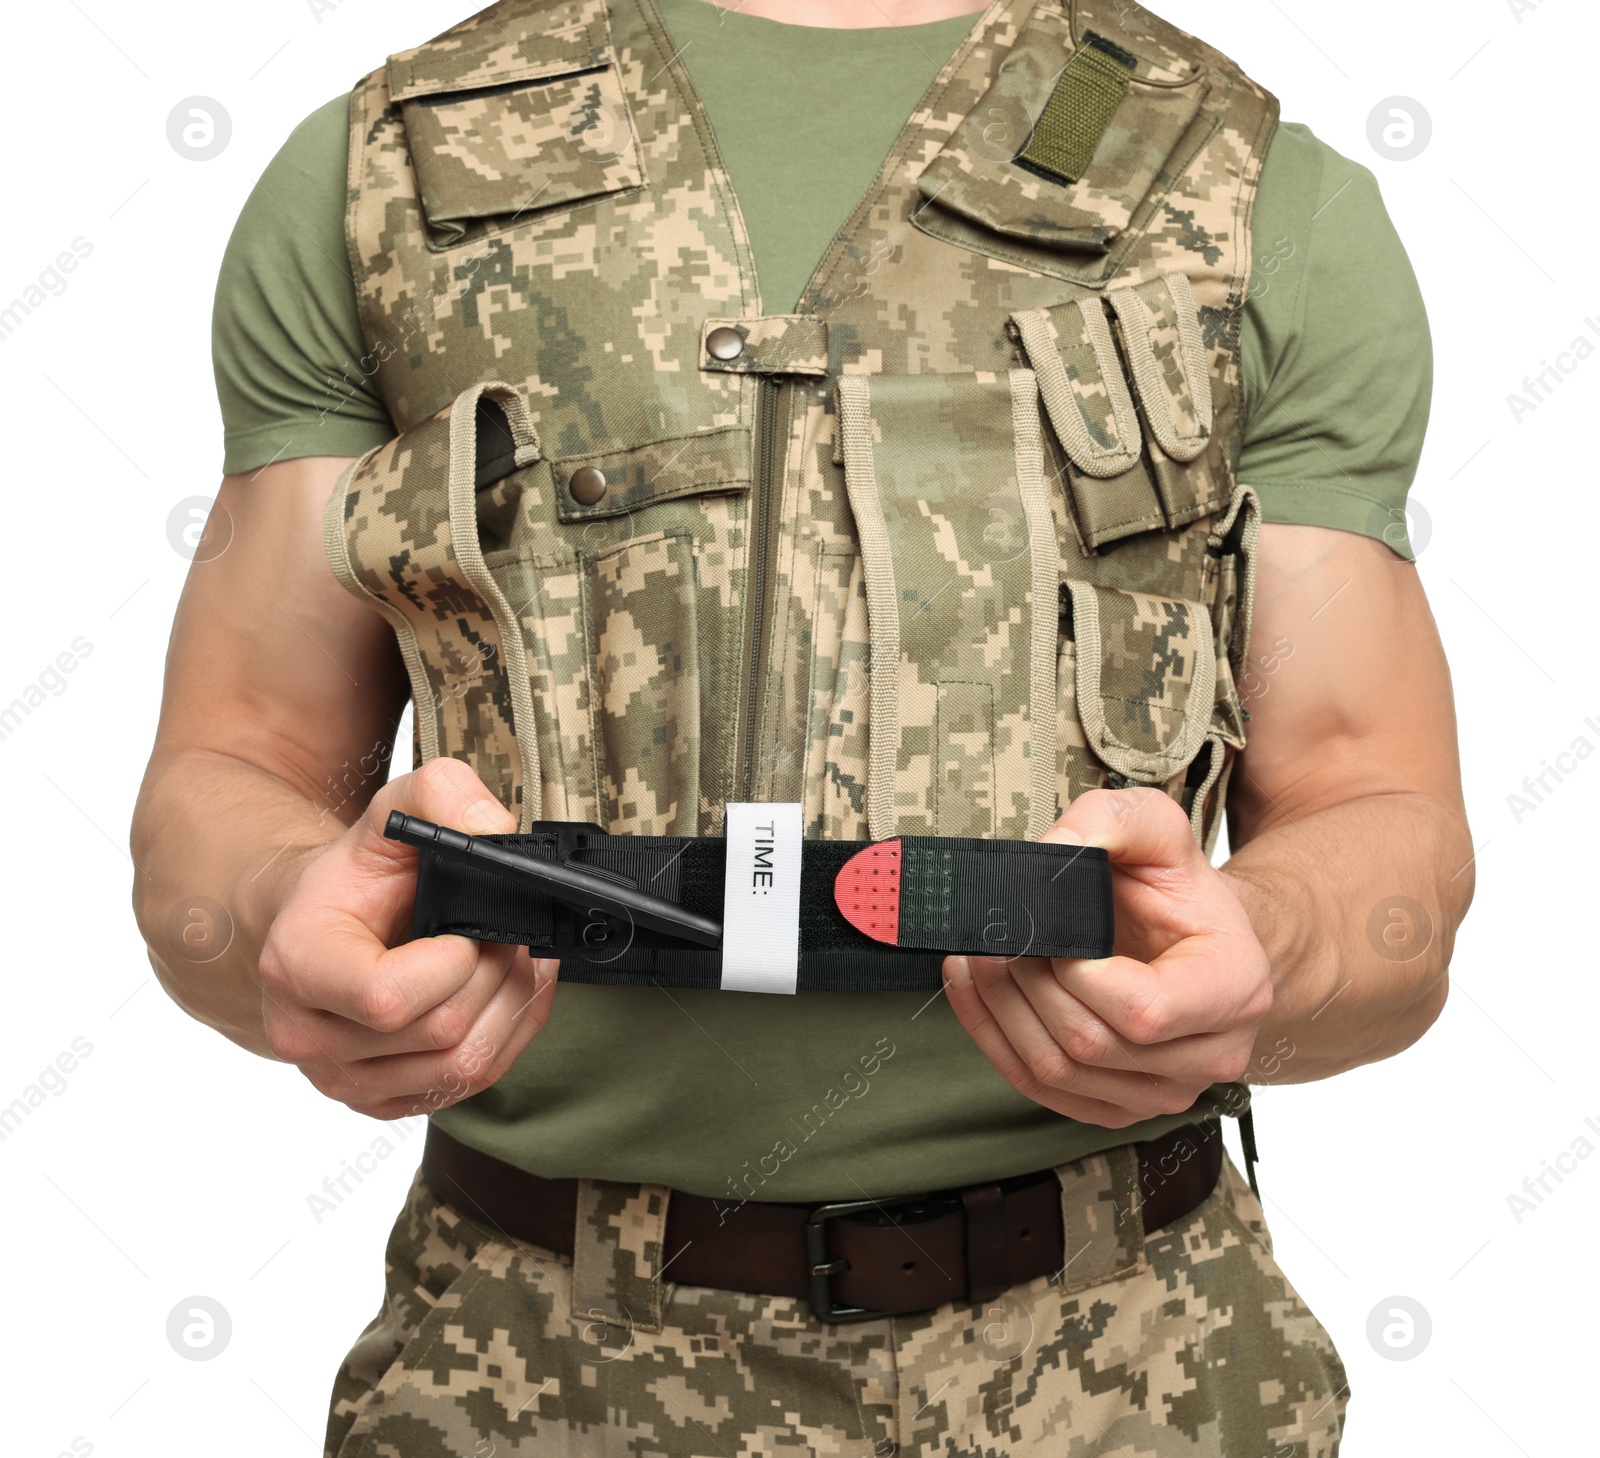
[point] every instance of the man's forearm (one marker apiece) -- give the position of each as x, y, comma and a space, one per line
212, 831
1359, 972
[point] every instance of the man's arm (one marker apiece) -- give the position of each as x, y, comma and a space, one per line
1290, 962
263, 796
277, 678
1351, 851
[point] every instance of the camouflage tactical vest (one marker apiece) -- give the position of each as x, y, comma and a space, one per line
950, 544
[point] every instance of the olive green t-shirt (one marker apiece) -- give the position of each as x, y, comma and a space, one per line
827, 1096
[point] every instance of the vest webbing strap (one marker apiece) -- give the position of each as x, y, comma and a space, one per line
1081, 105
980, 897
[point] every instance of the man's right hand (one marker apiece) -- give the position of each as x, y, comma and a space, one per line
264, 805
396, 1030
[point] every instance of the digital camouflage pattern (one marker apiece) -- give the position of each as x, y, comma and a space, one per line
573, 120
1041, 381
1188, 1342
946, 480
1142, 675
468, 681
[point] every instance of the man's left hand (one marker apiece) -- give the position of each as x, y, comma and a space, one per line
1120, 1039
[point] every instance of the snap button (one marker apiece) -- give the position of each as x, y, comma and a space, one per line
588, 485
724, 342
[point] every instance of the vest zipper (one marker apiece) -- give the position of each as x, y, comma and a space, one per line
768, 394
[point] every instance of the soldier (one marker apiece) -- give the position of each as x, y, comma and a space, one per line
961, 424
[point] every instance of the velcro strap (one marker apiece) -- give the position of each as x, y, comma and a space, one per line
1085, 97
941, 895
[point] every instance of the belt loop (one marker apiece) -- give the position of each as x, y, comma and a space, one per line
1101, 1219
618, 1252
988, 1270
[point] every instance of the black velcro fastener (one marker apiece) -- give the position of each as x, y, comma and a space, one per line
1117, 53
980, 897
1005, 898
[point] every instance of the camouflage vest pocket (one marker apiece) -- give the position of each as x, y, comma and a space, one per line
569, 674
1150, 682
981, 198
401, 532
647, 680
610, 639
1144, 678
500, 132
961, 564
550, 608
1139, 442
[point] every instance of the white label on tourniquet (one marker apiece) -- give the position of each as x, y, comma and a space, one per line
761, 899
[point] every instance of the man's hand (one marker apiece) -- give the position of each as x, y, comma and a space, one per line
1143, 1032
412, 1028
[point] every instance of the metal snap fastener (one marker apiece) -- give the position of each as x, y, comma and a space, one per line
588, 485
724, 343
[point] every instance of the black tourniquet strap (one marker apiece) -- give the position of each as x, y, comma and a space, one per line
981, 897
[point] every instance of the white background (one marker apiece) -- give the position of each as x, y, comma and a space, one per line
173, 1164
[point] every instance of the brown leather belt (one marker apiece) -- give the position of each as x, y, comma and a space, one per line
852, 1259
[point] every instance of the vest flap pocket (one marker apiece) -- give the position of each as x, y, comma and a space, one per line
1141, 467
514, 130
1161, 330
1146, 670
961, 564
1069, 347
983, 193
1091, 411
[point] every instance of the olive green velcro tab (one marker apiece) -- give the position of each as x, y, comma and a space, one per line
1086, 95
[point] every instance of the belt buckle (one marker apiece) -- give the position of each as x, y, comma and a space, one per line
821, 1270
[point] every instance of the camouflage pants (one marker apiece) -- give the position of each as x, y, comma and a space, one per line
1187, 1342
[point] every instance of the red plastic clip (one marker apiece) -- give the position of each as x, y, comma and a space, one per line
867, 891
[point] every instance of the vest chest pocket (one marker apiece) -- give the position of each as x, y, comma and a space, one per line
1061, 168
501, 134
610, 637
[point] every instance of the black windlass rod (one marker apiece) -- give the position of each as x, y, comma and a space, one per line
571, 885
